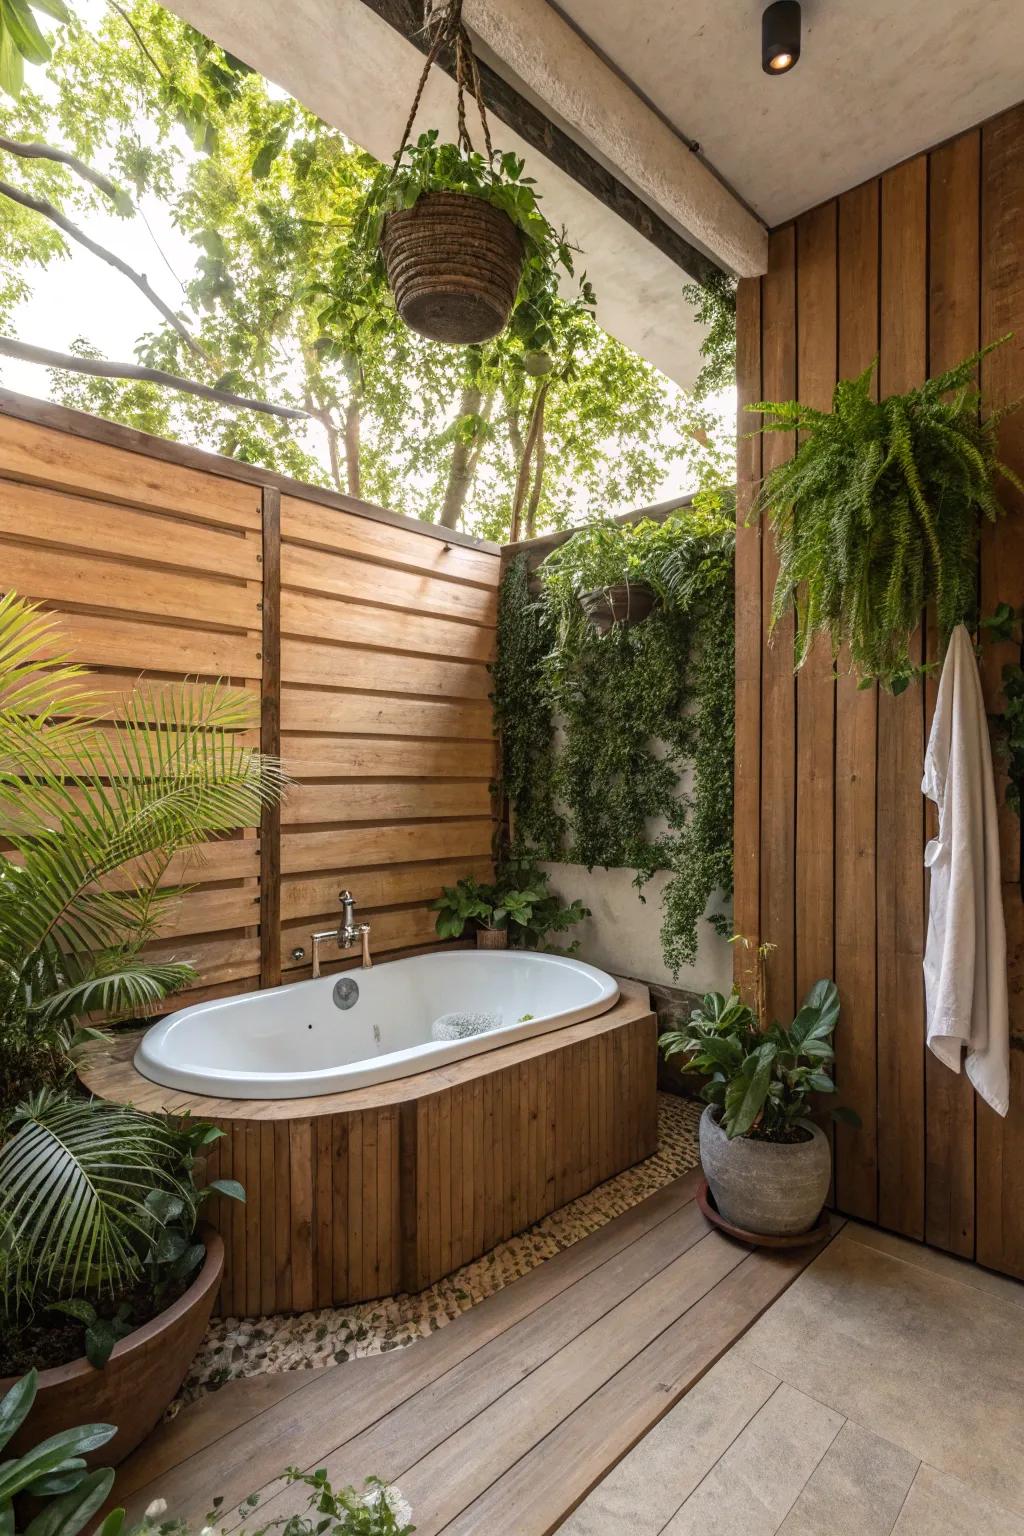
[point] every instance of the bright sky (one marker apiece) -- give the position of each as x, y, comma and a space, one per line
83, 297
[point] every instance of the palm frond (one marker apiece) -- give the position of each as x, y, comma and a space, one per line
75, 1176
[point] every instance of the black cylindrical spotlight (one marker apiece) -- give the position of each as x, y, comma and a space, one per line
780, 37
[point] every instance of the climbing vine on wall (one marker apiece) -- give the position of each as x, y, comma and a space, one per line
598, 731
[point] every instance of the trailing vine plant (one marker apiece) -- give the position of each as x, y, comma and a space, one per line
714, 302
1006, 625
523, 715
597, 731
877, 515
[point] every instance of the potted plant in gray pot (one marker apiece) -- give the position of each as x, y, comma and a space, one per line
767, 1163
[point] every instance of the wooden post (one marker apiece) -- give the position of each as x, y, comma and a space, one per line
270, 741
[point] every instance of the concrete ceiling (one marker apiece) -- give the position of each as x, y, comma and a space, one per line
877, 81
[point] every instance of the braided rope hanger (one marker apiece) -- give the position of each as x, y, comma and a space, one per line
449, 31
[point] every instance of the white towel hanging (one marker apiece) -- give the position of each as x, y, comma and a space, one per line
965, 954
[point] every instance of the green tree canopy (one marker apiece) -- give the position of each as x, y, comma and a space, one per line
266, 193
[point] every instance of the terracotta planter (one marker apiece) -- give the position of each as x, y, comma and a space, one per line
628, 602
492, 938
777, 1188
141, 1377
453, 264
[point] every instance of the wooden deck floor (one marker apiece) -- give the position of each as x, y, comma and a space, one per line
504, 1420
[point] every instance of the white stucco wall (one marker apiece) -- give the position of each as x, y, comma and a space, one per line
624, 934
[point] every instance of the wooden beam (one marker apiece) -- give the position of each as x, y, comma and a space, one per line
270, 741
527, 120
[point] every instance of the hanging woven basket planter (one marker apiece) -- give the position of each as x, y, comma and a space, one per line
626, 603
453, 264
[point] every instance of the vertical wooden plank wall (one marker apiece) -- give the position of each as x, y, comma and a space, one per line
918, 267
365, 643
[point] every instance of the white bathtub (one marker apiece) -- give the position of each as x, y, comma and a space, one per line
294, 1041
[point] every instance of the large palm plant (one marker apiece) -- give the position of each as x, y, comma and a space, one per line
95, 803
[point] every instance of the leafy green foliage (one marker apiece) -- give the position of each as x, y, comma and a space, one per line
1006, 625
877, 515
523, 715
21, 41
97, 1199
760, 1080
275, 291
635, 709
377, 1509
715, 306
519, 901
93, 812
425, 165
54, 1470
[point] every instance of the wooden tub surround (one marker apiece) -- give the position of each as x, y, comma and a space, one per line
357, 1195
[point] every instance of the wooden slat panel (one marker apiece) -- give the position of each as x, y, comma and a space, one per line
325, 618
778, 688
902, 364
353, 847
303, 661
305, 522
215, 959
205, 911
46, 457
747, 791
856, 1164
134, 645
55, 518
373, 714
395, 801
817, 361
373, 888
953, 300
56, 577
339, 757
311, 570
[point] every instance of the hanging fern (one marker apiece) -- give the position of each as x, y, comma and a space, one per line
877, 515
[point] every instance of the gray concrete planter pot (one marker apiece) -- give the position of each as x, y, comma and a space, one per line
765, 1186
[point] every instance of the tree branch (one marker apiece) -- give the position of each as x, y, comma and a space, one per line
102, 369
40, 151
48, 211
137, 35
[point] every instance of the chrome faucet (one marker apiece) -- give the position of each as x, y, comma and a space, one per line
347, 934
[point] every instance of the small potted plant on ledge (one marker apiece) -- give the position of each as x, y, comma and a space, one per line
767, 1163
519, 907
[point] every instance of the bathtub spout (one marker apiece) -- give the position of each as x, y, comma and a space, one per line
348, 934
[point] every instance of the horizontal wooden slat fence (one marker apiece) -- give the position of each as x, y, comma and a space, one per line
363, 637
917, 267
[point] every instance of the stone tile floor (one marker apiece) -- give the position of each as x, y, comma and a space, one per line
881, 1395
236, 1347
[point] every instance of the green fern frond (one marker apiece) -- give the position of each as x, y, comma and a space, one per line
876, 514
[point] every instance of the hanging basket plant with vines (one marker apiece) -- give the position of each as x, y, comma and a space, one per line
877, 515
457, 234
636, 708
